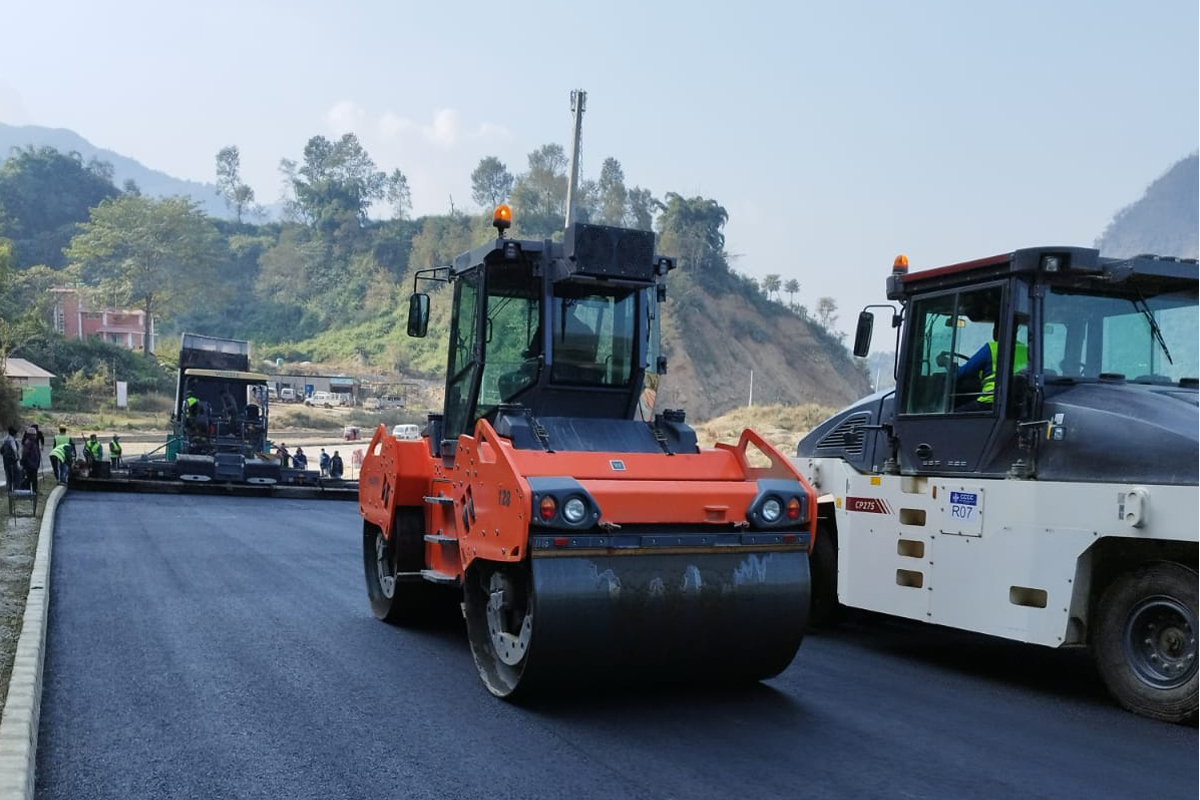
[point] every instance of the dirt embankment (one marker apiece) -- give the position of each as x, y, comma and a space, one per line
714, 344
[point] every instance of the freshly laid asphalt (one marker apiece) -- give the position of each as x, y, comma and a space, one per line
209, 647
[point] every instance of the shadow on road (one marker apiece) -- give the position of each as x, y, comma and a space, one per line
669, 700
1067, 673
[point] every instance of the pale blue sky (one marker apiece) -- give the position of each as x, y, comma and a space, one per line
836, 134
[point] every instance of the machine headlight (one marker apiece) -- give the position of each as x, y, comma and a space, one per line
574, 510
771, 510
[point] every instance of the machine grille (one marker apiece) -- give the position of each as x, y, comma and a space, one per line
847, 437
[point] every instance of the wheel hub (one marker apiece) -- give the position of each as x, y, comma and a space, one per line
509, 621
1160, 642
383, 566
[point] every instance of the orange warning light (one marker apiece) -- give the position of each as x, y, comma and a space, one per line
900, 265
502, 217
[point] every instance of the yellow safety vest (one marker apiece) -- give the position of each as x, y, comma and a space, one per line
62, 438
114, 448
1020, 362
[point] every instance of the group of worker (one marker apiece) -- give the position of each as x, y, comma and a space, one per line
331, 466
23, 459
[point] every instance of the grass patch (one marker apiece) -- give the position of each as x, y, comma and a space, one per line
781, 425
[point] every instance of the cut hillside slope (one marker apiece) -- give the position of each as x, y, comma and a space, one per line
713, 343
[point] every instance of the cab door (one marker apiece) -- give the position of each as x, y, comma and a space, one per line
944, 415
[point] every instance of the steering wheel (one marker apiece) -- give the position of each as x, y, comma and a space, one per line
943, 358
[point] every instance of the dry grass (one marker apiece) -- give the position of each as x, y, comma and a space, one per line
781, 425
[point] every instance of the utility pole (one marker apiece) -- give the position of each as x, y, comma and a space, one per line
578, 106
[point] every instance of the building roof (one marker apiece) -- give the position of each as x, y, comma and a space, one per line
20, 368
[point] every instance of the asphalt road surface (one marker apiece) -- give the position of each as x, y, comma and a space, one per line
210, 647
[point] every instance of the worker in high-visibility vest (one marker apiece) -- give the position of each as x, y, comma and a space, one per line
68, 446
114, 451
58, 461
93, 450
983, 366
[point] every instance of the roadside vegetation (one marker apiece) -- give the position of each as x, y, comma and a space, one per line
328, 283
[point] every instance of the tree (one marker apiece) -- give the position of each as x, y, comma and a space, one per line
491, 183
792, 287
540, 194
43, 194
336, 183
826, 313
238, 196
157, 254
771, 284
611, 193
691, 229
640, 209
398, 194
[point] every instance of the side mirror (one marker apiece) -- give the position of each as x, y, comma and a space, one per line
862, 334
418, 315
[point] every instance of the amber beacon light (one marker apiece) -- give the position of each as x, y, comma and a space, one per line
502, 217
900, 265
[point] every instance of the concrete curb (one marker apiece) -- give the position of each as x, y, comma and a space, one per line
22, 710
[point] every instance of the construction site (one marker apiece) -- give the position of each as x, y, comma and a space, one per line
543, 565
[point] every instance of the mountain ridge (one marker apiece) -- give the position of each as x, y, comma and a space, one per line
150, 181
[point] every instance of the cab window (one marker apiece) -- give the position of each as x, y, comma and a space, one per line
949, 360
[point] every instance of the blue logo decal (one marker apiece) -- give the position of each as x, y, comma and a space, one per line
964, 498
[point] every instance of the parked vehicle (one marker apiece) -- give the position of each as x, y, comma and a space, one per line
322, 399
384, 402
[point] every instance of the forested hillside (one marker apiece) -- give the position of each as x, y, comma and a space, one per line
329, 283
1163, 221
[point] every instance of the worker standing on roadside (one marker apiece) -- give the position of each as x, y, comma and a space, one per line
31, 459
323, 463
114, 451
10, 451
299, 460
335, 465
284, 458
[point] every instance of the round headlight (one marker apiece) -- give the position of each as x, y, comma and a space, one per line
771, 509
574, 510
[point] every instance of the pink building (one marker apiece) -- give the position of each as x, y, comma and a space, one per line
125, 327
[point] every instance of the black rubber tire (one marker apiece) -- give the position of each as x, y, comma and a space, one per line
1144, 641
824, 611
405, 552
502, 678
